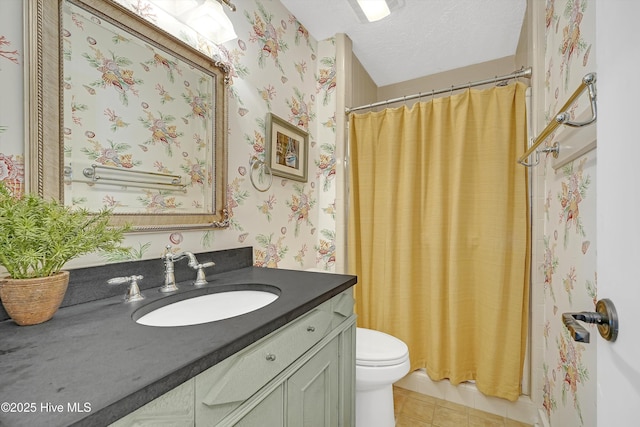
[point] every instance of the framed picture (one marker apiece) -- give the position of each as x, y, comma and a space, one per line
287, 149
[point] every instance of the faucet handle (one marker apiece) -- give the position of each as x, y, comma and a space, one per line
133, 293
200, 276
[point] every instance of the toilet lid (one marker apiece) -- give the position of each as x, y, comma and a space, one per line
375, 348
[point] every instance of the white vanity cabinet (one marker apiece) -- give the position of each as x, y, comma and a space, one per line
313, 390
174, 408
303, 374
300, 375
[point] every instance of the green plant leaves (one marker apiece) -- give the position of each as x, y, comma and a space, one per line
38, 237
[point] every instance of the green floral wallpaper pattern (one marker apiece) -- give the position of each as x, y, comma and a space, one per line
569, 260
275, 66
167, 102
12, 166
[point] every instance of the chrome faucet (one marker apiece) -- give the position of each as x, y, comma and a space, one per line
169, 277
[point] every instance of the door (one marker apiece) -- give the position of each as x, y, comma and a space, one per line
312, 392
269, 412
618, 207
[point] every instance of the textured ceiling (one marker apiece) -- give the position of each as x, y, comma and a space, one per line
420, 37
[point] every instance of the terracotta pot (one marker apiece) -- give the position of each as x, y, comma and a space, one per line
33, 301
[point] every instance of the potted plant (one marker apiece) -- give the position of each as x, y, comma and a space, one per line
37, 238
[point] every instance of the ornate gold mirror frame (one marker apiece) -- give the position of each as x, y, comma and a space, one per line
45, 109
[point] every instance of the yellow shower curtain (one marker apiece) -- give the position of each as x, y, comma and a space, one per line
439, 233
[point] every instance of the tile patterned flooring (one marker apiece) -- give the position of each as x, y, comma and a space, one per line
419, 410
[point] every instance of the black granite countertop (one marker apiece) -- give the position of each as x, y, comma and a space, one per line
92, 364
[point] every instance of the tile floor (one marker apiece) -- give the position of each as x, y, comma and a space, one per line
419, 410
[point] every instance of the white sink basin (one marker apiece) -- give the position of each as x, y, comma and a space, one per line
207, 308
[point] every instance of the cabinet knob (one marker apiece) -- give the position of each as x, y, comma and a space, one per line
311, 328
271, 357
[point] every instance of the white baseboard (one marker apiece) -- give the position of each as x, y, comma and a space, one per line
467, 394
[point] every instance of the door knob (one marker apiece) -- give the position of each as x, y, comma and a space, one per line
605, 317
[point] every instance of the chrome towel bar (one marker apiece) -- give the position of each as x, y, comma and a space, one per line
142, 179
563, 118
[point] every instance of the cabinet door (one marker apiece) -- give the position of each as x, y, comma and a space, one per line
269, 412
312, 391
347, 375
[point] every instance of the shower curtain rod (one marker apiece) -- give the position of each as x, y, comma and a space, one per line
524, 72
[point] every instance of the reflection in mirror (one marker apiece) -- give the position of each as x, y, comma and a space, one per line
143, 128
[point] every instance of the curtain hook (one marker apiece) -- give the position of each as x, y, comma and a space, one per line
451, 91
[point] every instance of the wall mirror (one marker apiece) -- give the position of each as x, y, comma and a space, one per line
124, 115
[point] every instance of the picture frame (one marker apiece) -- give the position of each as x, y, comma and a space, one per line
287, 149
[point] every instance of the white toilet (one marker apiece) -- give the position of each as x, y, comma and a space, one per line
381, 360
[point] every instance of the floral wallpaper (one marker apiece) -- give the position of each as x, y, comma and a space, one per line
167, 104
275, 66
12, 137
568, 273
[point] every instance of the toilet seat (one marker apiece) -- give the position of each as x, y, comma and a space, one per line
375, 348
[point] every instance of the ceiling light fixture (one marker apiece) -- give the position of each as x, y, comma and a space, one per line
374, 10
204, 16
210, 20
